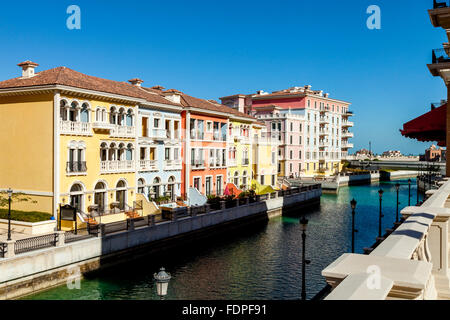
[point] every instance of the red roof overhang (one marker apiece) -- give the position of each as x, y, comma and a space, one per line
431, 126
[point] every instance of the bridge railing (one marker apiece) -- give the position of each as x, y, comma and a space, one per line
410, 263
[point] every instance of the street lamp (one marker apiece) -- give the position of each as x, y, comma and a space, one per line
417, 195
397, 188
304, 224
10, 193
162, 279
380, 193
353, 204
409, 192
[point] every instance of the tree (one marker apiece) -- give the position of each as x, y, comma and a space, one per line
16, 197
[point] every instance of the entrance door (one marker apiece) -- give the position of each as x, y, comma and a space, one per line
219, 186
120, 196
99, 199
75, 201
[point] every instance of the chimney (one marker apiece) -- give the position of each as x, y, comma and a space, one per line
160, 88
136, 82
28, 69
326, 95
173, 95
308, 87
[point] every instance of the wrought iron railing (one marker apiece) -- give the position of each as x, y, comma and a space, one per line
36, 243
3, 249
440, 56
76, 166
437, 4
81, 234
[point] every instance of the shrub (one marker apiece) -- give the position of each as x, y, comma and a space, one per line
32, 216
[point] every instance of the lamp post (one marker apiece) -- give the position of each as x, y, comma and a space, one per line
304, 224
353, 204
417, 194
397, 188
10, 193
162, 279
380, 193
409, 192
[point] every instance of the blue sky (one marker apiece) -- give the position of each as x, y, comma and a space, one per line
211, 49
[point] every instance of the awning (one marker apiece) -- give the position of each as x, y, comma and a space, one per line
431, 126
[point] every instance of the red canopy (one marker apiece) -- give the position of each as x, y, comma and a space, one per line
431, 126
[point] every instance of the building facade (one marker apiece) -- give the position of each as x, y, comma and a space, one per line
313, 129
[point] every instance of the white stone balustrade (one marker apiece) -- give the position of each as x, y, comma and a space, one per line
414, 258
75, 128
123, 132
117, 166
148, 165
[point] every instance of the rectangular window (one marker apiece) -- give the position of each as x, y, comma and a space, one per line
167, 154
156, 123
262, 179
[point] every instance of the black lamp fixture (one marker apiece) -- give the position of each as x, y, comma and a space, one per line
380, 193
353, 205
304, 225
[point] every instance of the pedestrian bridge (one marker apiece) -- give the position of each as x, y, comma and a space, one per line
399, 165
412, 263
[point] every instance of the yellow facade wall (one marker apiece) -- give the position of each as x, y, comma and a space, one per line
26, 140
240, 168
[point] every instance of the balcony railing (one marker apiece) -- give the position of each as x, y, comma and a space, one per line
123, 131
197, 135
172, 164
440, 56
75, 128
76, 167
102, 125
148, 165
116, 166
347, 134
232, 162
346, 124
198, 164
440, 4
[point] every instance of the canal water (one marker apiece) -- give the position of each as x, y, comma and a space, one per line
261, 263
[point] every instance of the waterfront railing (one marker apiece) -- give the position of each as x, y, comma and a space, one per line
36, 243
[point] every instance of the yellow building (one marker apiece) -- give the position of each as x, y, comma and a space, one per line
71, 139
240, 156
265, 156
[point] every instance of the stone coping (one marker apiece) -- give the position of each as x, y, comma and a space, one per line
28, 224
404, 273
355, 287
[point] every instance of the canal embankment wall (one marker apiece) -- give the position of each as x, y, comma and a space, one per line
39, 270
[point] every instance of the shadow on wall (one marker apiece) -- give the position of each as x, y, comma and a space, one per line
196, 198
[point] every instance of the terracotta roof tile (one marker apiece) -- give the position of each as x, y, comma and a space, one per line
72, 78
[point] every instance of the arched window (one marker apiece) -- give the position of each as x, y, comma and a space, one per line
171, 187
100, 196
156, 188
121, 152
85, 113
73, 111
113, 115
129, 155
141, 185
130, 118
121, 194
63, 110
121, 119
236, 179
244, 178
77, 196
112, 152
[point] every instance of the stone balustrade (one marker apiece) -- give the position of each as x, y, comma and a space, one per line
411, 263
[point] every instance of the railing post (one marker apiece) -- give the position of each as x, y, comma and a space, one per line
237, 202
174, 216
130, 223
247, 201
101, 230
61, 238
222, 205
10, 251
207, 208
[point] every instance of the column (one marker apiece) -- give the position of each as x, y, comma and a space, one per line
448, 132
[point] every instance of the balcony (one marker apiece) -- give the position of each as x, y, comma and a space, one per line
347, 114
232, 162
323, 143
172, 165
117, 166
324, 132
75, 128
76, 167
347, 124
148, 165
440, 66
439, 15
347, 146
198, 164
347, 135
123, 132
197, 135
324, 120
102, 126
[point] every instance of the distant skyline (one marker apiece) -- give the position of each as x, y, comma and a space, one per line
213, 49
